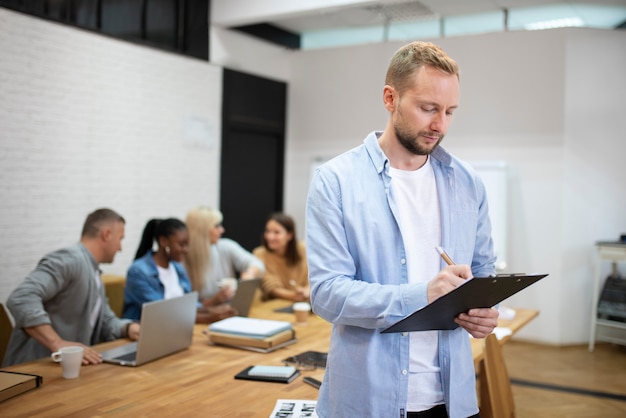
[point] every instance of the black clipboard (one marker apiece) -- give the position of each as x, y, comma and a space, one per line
478, 292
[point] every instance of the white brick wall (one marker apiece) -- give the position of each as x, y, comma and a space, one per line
87, 121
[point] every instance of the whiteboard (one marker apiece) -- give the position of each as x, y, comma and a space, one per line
494, 176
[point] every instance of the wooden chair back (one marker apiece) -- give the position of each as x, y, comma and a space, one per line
496, 395
6, 329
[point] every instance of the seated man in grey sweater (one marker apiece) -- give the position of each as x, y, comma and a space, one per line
62, 302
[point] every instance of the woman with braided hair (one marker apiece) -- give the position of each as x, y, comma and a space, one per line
156, 275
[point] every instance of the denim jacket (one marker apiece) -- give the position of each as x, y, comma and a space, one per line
143, 285
359, 280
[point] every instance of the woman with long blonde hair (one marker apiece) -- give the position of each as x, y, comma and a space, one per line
211, 257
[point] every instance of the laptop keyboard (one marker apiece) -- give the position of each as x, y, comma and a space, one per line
127, 357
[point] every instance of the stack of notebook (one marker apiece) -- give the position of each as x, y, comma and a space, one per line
14, 383
255, 334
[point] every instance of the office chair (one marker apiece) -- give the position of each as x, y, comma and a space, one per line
6, 329
114, 290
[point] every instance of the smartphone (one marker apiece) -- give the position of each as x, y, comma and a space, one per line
313, 382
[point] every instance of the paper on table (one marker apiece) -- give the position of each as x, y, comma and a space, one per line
502, 332
295, 408
506, 312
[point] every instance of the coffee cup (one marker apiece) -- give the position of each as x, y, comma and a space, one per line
71, 358
228, 282
301, 311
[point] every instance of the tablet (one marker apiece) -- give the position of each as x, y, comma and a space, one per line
478, 292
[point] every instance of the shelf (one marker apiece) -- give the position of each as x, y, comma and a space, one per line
610, 323
612, 253
605, 329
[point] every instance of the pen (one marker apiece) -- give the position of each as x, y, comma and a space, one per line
444, 255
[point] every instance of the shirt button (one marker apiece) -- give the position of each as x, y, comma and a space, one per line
404, 372
403, 260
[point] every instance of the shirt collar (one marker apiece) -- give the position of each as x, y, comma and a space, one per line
88, 254
380, 160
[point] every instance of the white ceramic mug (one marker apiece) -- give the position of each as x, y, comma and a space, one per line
302, 311
71, 358
230, 282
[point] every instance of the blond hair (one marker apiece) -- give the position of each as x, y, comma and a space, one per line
199, 223
408, 59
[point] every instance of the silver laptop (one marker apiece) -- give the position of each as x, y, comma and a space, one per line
244, 296
166, 327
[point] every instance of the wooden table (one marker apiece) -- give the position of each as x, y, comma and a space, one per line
194, 382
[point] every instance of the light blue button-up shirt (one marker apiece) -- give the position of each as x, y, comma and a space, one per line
359, 280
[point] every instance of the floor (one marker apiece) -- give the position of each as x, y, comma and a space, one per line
556, 382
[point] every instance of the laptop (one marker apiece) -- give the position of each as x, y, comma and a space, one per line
166, 327
244, 296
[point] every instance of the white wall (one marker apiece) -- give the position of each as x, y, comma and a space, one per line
88, 121
542, 102
594, 191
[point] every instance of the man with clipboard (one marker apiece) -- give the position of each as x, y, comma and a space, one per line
374, 217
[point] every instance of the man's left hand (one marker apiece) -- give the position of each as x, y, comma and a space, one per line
479, 322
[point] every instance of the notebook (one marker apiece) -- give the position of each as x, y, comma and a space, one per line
15, 383
262, 345
244, 296
278, 374
478, 292
249, 327
166, 327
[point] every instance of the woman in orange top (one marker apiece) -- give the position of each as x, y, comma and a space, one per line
286, 271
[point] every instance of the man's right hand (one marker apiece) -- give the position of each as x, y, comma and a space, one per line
447, 280
48, 337
90, 356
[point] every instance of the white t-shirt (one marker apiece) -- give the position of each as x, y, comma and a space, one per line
169, 279
415, 195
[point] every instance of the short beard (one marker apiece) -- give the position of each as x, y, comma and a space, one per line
409, 142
